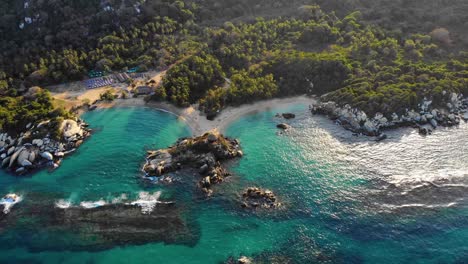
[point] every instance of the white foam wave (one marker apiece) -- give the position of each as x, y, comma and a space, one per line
92, 204
9, 200
63, 204
420, 205
119, 199
147, 201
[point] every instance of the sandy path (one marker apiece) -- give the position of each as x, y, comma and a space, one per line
198, 122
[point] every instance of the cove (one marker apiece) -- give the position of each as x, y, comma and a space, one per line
345, 195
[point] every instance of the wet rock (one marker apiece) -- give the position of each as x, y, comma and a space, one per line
424, 131
20, 170
381, 137
206, 182
289, 115
283, 126
204, 169
254, 197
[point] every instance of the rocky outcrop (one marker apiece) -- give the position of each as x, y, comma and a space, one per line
288, 115
283, 126
37, 148
255, 197
358, 121
204, 154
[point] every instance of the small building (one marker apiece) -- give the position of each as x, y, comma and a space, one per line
143, 90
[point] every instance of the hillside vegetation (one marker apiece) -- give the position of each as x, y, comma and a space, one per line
380, 56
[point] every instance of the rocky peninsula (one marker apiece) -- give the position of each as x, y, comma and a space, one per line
205, 154
426, 117
41, 145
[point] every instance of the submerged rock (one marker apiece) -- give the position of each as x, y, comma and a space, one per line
99, 228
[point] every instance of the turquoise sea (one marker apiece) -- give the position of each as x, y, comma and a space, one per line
347, 199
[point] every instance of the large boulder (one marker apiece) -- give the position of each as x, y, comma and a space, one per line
370, 127
15, 156
24, 155
71, 128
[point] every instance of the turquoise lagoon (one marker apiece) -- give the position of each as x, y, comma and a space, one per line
347, 199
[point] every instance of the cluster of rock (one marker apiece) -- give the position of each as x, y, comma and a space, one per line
255, 197
35, 148
357, 121
204, 153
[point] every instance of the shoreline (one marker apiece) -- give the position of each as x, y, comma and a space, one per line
197, 121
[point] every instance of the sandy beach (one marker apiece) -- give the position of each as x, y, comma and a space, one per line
197, 121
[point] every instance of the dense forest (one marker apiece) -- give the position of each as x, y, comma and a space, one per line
380, 56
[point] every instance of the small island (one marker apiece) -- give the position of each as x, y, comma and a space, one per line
205, 154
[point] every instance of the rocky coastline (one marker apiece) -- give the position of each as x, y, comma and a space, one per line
41, 145
205, 154
426, 118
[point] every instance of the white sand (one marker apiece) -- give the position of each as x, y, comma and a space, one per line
197, 121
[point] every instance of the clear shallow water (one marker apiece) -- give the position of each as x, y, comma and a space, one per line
349, 200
